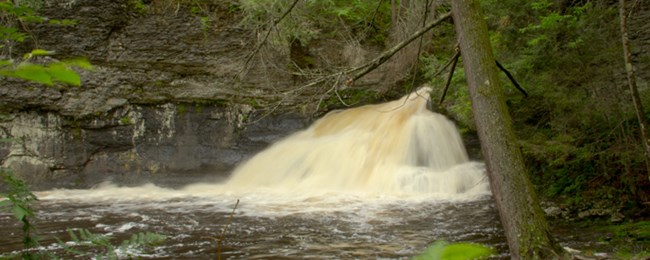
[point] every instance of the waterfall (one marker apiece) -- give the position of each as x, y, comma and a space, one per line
376, 181
394, 147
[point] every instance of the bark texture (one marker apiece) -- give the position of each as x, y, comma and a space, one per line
526, 228
631, 82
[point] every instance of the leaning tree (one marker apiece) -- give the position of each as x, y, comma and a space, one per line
523, 220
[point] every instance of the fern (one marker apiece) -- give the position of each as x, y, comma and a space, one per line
19, 199
101, 247
146, 239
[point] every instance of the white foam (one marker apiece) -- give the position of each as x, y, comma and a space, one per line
361, 159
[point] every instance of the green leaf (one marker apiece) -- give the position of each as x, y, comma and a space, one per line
461, 251
432, 252
32, 19
64, 74
32, 72
38, 52
20, 213
457, 251
73, 236
64, 22
6, 62
4, 202
5, 6
15, 10
56, 72
41, 52
11, 33
81, 62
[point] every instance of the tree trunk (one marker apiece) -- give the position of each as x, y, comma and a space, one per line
631, 81
525, 227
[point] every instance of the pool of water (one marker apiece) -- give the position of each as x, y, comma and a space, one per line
266, 224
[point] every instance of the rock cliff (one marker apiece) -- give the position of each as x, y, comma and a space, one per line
164, 98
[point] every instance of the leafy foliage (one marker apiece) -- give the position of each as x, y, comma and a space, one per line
100, 246
26, 68
59, 71
313, 19
577, 129
18, 200
455, 251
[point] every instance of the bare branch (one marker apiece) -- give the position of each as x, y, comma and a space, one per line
454, 61
512, 79
417, 56
266, 36
357, 72
223, 233
368, 67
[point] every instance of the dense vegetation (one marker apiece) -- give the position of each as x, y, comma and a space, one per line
577, 128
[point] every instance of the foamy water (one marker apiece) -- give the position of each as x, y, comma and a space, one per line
278, 201
375, 154
270, 222
376, 181
391, 148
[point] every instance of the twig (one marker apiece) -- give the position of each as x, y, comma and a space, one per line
512, 79
268, 32
444, 67
223, 233
366, 68
374, 15
336, 91
360, 70
369, 66
417, 56
451, 74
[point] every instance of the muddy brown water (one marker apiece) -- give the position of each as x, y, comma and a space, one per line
326, 226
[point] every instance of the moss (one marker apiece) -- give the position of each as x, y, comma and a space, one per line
350, 97
634, 231
137, 6
181, 109
252, 102
125, 120
630, 240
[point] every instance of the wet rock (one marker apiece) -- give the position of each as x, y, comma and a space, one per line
135, 144
611, 213
553, 212
164, 97
616, 217
158, 101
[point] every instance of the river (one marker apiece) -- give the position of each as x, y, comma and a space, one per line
266, 224
375, 182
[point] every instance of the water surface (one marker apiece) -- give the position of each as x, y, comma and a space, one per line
267, 224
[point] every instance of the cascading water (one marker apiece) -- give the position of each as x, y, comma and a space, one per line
378, 181
395, 147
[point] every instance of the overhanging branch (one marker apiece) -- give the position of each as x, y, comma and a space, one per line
266, 36
368, 67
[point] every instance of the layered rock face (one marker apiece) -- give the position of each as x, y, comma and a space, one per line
135, 144
164, 98
169, 95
